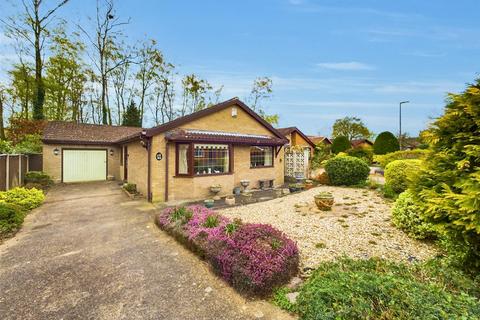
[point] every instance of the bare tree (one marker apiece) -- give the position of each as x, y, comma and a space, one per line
32, 27
108, 29
2, 124
162, 101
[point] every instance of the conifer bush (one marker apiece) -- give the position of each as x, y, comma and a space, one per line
340, 144
385, 142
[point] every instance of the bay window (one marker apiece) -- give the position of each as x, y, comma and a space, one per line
203, 159
261, 156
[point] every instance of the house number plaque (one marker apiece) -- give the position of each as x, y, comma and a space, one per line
159, 156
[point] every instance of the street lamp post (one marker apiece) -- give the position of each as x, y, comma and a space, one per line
400, 124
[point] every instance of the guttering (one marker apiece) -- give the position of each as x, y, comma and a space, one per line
147, 143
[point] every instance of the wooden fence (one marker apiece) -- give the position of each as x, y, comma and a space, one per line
14, 166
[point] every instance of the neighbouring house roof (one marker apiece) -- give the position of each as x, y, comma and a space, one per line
357, 142
319, 139
193, 135
62, 132
287, 131
210, 110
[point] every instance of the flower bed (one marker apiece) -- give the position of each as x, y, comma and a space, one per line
253, 258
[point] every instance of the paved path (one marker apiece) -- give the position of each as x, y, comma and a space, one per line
91, 253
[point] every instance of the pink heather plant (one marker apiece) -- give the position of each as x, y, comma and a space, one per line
254, 258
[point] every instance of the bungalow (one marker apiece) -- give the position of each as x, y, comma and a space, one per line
178, 160
319, 139
298, 152
361, 143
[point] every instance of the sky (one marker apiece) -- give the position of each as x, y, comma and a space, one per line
327, 58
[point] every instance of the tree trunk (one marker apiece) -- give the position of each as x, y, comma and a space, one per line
2, 128
39, 97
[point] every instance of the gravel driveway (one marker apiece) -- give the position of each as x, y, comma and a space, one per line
359, 226
91, 253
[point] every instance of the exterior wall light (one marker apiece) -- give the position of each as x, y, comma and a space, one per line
56, 151
111, 152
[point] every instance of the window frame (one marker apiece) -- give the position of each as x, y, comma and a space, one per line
191, 158
261, 167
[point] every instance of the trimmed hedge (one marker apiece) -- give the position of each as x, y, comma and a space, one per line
385, 143
26, 199
406, 215
383, 160
397, 173
253, 258
346, 170
340, 144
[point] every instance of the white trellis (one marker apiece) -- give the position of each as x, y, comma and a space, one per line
296, 162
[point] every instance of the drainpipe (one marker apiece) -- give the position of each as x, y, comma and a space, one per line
147, 143
167, 149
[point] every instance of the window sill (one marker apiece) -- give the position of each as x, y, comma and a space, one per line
261, 167
202, 175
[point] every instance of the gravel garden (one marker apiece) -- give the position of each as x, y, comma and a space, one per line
358, 226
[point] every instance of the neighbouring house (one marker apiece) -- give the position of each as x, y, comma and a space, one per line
319, 139
298, 152
178, 160
361, 143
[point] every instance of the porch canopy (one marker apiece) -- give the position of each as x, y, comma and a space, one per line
206, 136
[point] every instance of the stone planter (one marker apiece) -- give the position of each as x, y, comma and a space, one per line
215, 190
308, 184
279, 192
285, 191
230, 200
209, 203
247, 197
324, 201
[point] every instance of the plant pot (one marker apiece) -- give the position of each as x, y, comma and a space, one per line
209, 203
286, 191
215, 190
237, 191
230, 200
279, 192
324, 201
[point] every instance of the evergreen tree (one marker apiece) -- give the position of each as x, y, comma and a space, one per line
385, 143
132, 117
340, 144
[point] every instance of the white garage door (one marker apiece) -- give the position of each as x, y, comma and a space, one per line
84, 165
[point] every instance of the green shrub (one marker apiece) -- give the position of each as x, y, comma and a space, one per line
448, 188
383, 160
130, 187
31, 143
26, 199
346, 170
11, 218
5, 146
385, 143
340, 144
321, 153
38, 177
397, 173
378, 289
365, 153
406, 215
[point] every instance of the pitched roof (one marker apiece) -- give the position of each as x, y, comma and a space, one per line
319, 139
286, 131
63, 132
207, 111
222, 137
356, 142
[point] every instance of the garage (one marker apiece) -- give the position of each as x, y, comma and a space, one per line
84, 165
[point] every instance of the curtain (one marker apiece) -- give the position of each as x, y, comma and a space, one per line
183, 158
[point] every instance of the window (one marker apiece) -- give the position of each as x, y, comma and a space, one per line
211, 159
203, 159
261, 157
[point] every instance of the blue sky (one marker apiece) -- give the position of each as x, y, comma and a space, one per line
327, 59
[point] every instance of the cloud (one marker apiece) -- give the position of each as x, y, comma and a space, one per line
345, 66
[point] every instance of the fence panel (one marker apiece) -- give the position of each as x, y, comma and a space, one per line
13, 168
13, 171
35, 162
3, 172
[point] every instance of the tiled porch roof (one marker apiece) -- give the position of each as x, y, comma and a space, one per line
192, 135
